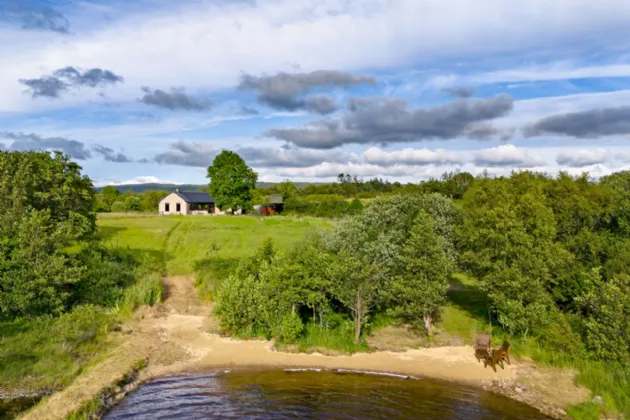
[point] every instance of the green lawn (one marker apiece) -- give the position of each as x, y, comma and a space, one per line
205, 246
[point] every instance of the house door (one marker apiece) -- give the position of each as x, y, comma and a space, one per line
178, 207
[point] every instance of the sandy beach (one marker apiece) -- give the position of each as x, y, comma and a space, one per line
173, 337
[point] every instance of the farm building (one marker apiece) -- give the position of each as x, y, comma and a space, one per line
274, 205
186, 202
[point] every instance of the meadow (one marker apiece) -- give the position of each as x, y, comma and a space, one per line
207, 247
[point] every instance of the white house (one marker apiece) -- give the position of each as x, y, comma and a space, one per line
188, 202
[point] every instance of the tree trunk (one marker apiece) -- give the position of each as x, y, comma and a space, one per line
321, 320
357, 329
428, 324
293, 309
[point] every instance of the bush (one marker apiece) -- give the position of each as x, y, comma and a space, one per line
107, 275
118, 206
148, 290
240, 306
132, 204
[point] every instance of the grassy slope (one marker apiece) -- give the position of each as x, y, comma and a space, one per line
183, 241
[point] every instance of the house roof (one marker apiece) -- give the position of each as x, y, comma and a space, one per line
195, 197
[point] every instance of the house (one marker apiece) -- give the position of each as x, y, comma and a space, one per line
187, 202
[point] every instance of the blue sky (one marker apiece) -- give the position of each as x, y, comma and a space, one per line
152, 90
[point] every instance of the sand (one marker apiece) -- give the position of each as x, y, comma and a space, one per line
174, 337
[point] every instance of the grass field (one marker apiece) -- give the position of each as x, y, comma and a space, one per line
205, 246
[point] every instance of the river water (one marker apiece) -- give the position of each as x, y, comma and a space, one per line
312, 395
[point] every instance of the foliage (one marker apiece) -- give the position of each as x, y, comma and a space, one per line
118, 206
48, 352
319, 206
606, 309
132, 204
231, 182
419, 286
287, 189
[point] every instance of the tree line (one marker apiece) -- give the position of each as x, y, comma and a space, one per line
552, 254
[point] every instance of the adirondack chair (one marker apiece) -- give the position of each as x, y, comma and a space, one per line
482, 347
503, 352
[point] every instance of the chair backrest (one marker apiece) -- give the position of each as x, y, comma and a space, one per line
482, 341
506, 346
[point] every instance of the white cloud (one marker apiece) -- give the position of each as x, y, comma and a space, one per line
507, 155
206, 44
409, 156
147, 179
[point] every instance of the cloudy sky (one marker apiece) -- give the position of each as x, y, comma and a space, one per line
152, 90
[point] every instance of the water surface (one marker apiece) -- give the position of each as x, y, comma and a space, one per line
312, 395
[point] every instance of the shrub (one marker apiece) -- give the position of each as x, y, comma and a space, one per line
118, 206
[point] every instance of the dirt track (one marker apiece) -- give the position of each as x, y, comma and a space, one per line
173, 336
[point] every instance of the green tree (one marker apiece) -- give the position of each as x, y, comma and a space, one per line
419, 287
118, 206
132, 204
35, 278
356, 287
287, 189
150, 199
509, 241
606, 316
110, 195
41, 181
355, 207
231, 182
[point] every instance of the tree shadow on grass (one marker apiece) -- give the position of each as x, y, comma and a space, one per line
108, 232
469, 298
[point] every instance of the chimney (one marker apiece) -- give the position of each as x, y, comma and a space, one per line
176, 189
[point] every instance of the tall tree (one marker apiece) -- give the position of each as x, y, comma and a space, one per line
509, 240
45, 204
357, 286
231, 182
419, 287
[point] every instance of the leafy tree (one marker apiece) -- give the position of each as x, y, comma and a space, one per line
419, 287
606, 317
508, 236
41, 181
132, 204
110, 195
356, 287
355, 207
34, 277
150, 199
287, 189
118, 206
231, 182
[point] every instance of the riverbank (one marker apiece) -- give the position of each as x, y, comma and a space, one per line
174, 338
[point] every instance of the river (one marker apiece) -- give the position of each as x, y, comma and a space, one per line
312, 395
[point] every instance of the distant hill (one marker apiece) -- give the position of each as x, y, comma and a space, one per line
138, 188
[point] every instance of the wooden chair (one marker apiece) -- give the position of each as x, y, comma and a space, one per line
482, 349
503, 353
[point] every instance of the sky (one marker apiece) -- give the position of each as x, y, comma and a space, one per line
404, 90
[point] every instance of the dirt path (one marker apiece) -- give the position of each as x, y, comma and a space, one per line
173, 336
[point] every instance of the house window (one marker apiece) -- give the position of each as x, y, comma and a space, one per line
178, 207
167, 207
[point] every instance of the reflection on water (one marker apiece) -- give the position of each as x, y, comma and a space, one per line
312, 395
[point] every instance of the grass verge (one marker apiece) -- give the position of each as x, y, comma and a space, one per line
109, 396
